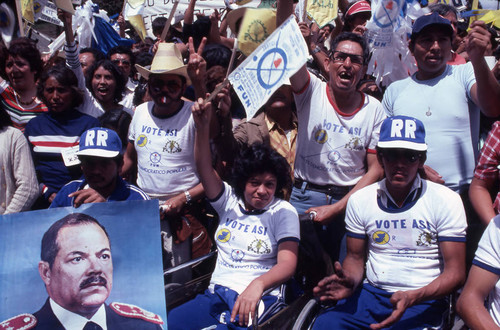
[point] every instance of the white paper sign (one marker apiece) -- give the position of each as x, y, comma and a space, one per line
282, 54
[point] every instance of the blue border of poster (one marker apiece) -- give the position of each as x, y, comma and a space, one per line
134, 231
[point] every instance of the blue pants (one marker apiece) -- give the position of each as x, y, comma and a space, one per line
331, 236
372, 305
214, 309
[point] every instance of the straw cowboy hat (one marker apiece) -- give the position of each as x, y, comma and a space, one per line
167, 60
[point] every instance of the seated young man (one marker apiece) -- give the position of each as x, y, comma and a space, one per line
100, 155
410, 232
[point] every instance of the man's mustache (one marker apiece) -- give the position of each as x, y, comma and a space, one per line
93, 280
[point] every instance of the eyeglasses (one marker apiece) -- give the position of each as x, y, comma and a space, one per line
123, 62
409, 156
157, 85
340, 57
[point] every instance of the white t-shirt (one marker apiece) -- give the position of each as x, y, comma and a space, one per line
488, 258
165, 150
450, 119
403, 244
247, 242
332, 146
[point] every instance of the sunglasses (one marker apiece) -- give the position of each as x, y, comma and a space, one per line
157, 85
340, 57
123, 62
409, 156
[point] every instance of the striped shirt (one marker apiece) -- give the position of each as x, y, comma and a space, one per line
20, 115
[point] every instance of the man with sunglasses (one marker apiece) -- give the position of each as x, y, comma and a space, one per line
101, 158
161, 146
338, 130
448, 99
124, 58
409, 235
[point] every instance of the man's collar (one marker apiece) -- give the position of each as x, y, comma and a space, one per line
386, 198
74, 321
272, 124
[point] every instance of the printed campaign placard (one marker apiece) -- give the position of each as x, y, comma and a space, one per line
134, 278
282, 54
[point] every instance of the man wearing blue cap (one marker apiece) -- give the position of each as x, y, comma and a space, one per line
447, 99
411, 234
100, 157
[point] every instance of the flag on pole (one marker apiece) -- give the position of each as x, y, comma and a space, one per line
27, 10
264, 71
133, 12
256, 26
322, 12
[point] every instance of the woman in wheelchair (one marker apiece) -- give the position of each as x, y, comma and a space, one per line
257, 236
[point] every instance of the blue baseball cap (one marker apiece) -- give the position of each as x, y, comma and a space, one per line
430, 19
100, 142
402, 132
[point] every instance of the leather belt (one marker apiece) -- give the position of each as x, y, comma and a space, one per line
329, 189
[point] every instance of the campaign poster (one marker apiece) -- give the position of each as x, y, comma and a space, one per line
134, 233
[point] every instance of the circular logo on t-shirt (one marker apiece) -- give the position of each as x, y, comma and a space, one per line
237, 255
154, 157
142, 140
321, 136
381, 237
223, 235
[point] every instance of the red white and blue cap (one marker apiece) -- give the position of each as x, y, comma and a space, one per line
402, 132
100, 142
359, 7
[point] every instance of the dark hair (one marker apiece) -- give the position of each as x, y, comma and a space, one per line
118, 121
216, 54
443, 9
98, 55
348, 19
26, 49
4, 118
117, 75
158, 25
4, 53
50, 248
122, 50
139, 93
64, 76
257, 159
349, 36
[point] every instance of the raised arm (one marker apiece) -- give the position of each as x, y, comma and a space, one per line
300, 79
486, 91
209, 178
452, 277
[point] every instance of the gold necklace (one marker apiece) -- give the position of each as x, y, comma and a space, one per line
18, 99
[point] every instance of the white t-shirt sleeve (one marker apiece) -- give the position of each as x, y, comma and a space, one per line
488, 250
451, 221
286, 226
354, 225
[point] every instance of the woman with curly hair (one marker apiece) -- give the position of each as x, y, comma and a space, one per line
257, 236
18, 94
54, 136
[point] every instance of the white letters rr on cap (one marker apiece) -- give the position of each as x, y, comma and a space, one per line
102, 136
89, 139
409, 127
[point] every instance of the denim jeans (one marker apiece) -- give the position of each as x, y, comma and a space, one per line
331, 236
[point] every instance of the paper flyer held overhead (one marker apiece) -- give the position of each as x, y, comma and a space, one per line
281, 55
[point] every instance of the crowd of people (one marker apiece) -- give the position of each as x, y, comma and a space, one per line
394, 178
